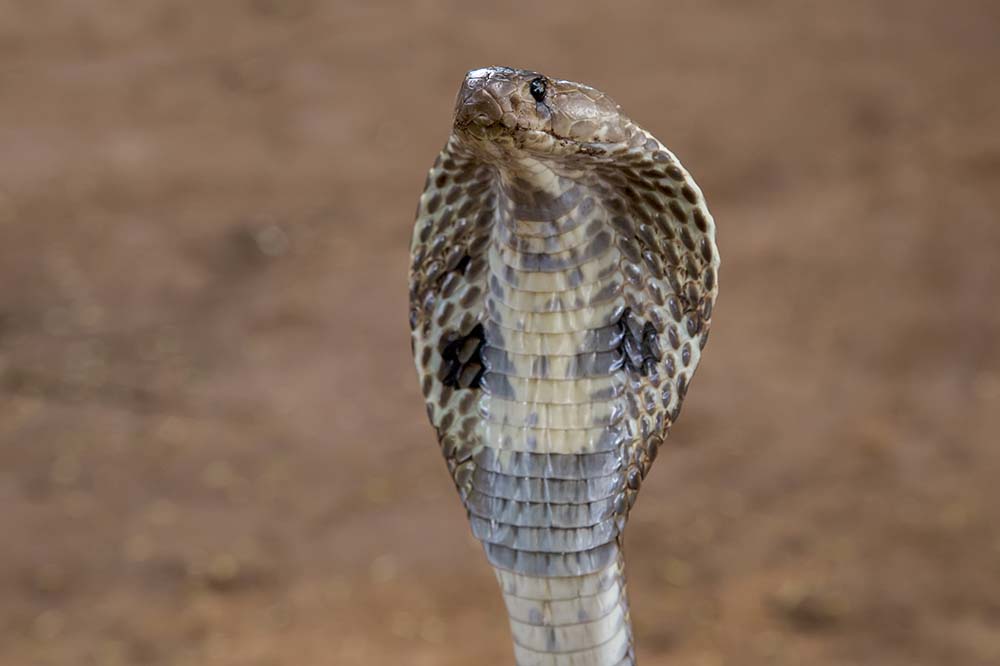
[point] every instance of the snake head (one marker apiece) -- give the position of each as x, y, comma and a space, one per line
502, 108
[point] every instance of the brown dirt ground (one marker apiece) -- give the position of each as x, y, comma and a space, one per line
212, 444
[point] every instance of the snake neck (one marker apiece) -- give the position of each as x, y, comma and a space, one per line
548, 497
565, 621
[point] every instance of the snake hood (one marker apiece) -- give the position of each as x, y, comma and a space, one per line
500, 109
563, 274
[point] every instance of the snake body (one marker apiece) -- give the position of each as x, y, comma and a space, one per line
562, 280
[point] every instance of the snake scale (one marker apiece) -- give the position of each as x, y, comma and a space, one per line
562, 279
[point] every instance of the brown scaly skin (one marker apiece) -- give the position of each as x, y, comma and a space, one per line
564, 270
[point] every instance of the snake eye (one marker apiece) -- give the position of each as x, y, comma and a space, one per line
537, 89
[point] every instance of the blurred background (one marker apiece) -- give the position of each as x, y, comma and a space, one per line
213, 449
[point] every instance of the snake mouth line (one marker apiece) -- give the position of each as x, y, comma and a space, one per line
529, 138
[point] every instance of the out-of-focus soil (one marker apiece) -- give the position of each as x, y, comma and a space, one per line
213, 448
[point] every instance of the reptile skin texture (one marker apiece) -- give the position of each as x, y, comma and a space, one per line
563, 275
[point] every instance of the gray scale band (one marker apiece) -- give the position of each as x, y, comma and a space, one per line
551, 564
550, 465
561, 261
553, 491
541, 514
546, 539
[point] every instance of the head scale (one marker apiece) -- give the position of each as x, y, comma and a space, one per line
500, 109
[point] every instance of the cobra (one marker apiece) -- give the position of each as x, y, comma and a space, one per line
563, 274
